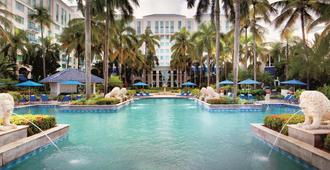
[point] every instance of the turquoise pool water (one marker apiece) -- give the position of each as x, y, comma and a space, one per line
159, 134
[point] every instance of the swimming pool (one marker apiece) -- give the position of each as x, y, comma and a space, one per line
159, 134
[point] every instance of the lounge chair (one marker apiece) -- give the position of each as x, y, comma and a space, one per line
242, 96
146, 94
33, 99
229, 94
250, 97
79, 97
44, 98
67, 98
23, 100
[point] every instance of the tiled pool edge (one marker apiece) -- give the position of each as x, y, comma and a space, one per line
229, 107
16, 150
311, 155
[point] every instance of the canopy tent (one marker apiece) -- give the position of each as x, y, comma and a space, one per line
189, 84
294, 82
248, 82
226, 82
67, 81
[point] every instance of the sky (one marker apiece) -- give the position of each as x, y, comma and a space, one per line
148, 7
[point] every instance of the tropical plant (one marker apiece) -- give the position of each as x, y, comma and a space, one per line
236, 47
5, 23
7, 67
42, 16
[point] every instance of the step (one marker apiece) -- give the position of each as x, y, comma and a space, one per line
13, 135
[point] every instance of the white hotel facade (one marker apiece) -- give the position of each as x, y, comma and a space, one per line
165, 25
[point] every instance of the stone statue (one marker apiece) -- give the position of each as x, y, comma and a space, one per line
208, 93
316, 107
7, 104
120, 94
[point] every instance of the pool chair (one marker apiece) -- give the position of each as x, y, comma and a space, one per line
292, 99
79, 97
287, 97
250, 97
229, 94
33, 99
23, 100
67, 98
44, 98
146, 94
242, 96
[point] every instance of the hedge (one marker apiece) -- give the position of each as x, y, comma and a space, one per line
44, 122
96, 101
276, 122
223, 100
327, 142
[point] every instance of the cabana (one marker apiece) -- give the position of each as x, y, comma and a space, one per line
68, 80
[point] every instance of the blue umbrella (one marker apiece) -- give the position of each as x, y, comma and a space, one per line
71, 82
29, 83
294, 82
226, 82
140, 84
188, 84
248, 82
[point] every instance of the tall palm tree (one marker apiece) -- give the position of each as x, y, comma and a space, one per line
41, 16
260, 10
182, 47
88, 53
108, 9
206, 34
150, 41
202, 7
236, 46
324, 18
5, 23
294, 10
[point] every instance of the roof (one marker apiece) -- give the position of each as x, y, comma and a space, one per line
70, 75
164, 15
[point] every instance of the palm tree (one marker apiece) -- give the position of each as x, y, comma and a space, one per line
108, 10
206, 34
294, 10
7, 67
88, 41
42, 17
150, 41
323, 19
261, 10
202, 7
182, 47
5, 23
236, 46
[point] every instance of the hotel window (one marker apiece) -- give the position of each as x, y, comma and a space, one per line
172, 26
189, 25
62, 16
149, 24
57, 12
138, 28
19, 19
179, 25
32, 3
49, 6
65, 18
167, 26
161, 26
19, 6
156, 27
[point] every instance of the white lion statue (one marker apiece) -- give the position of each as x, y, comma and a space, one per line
203, 93
120, 94
316, 107
211, 94
7, 104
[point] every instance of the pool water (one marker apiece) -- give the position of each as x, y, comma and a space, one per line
159, 134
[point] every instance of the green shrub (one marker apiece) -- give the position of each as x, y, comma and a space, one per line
44, 122
223, 100
327, 142
107, 101
325, 90
195, 92
131, 92
276, 96
298, 93
115, 81
16, 95
276, 122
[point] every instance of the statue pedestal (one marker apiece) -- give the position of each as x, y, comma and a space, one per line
13, 135
313, 137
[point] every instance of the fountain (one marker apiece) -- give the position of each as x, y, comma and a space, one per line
165, 77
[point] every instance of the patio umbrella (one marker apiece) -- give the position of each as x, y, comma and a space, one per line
188, 84
294, 82
226, 82
248, 82
71, 82
141, 84
29, 84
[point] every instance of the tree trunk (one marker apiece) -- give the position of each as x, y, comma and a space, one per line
208, 67
200, 74
236, 46
287, 60
254, 47
305, 45
246, 48
43, 50
88, 54
106, 52
217, 51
